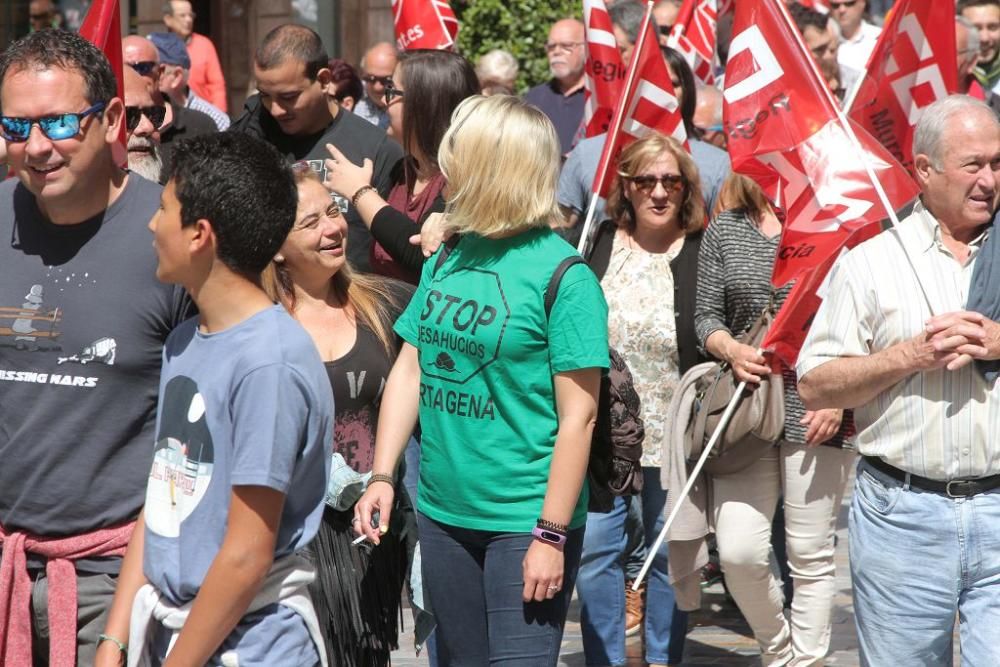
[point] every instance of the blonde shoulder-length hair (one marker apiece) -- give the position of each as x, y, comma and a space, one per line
640, 154
500, 157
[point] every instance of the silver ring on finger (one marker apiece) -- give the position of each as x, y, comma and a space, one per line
355, 520
553, 588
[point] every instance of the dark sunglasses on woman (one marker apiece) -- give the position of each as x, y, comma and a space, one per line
647, 182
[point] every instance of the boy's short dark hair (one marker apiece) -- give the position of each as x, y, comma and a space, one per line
64, 50
246, 191
292, 41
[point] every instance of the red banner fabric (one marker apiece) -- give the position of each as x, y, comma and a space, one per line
648, 103
790, 326
103, 27
913, 65
424, 24
785, 133
694, 35
604, 73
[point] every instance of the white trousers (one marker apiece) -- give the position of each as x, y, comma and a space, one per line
812, 481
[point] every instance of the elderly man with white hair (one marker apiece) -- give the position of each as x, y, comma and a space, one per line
893, 340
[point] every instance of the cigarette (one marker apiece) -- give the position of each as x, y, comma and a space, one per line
359, 540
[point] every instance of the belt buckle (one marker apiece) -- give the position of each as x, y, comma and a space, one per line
947, 488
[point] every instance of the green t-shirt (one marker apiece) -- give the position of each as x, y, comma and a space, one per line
487, 357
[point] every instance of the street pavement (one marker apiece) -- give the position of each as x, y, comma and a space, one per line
718, 634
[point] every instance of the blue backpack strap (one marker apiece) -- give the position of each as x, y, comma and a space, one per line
552, 291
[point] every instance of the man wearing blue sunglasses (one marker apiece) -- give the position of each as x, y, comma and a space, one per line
82, 325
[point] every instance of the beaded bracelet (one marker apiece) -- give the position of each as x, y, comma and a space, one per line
106, 638
361, 193
553, 526
382, 477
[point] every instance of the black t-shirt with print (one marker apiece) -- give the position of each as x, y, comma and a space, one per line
358, 379
82, 324
355, 137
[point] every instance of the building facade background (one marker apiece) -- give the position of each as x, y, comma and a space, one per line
347, 27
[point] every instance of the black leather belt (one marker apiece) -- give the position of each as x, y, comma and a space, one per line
956, 488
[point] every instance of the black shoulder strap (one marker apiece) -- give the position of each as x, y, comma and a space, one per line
552, 291
446, 249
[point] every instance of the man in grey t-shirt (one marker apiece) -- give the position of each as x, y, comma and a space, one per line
82, 325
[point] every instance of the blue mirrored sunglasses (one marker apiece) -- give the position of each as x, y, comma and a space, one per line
56, 128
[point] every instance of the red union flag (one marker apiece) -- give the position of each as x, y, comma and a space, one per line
102, 27
424, 24
913, 65
648, 103
790, 326
693, 35
604, 73
785, 133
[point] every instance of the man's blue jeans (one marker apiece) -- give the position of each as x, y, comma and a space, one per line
475, 582
917, 558
601, 584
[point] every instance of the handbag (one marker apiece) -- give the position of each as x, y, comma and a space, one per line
757, 422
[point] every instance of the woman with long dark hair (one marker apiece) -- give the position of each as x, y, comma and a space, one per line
426, 87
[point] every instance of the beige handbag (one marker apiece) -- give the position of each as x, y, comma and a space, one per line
757, 423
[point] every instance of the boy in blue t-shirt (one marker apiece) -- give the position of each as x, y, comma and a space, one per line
244, 426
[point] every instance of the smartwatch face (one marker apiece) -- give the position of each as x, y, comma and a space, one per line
549, 536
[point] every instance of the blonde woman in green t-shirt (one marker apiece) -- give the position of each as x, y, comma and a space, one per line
506, 394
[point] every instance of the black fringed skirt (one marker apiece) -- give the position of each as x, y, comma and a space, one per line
357, 591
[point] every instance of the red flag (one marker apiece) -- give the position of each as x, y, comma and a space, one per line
648, 103
693, 35
103, 27
913, 65
786, 134
604, 74
424, 24
790, 326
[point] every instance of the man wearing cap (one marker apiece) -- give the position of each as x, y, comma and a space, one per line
174, 76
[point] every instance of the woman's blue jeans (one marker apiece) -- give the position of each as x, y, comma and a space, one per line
475, 583
601, 584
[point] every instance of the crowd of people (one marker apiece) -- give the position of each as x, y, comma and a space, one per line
297, 362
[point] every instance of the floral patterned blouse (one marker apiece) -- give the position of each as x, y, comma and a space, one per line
639, 289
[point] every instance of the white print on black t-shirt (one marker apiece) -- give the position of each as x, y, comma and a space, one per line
35, 327
182, 460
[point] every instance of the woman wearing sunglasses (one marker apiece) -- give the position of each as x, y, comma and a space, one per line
734, 287
349, 316
646, 258
425, 88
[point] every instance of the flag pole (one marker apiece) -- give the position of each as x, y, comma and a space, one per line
619, 117
583, 247
846, 125
692, 478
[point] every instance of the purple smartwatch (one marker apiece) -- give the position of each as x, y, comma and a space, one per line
554, 538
